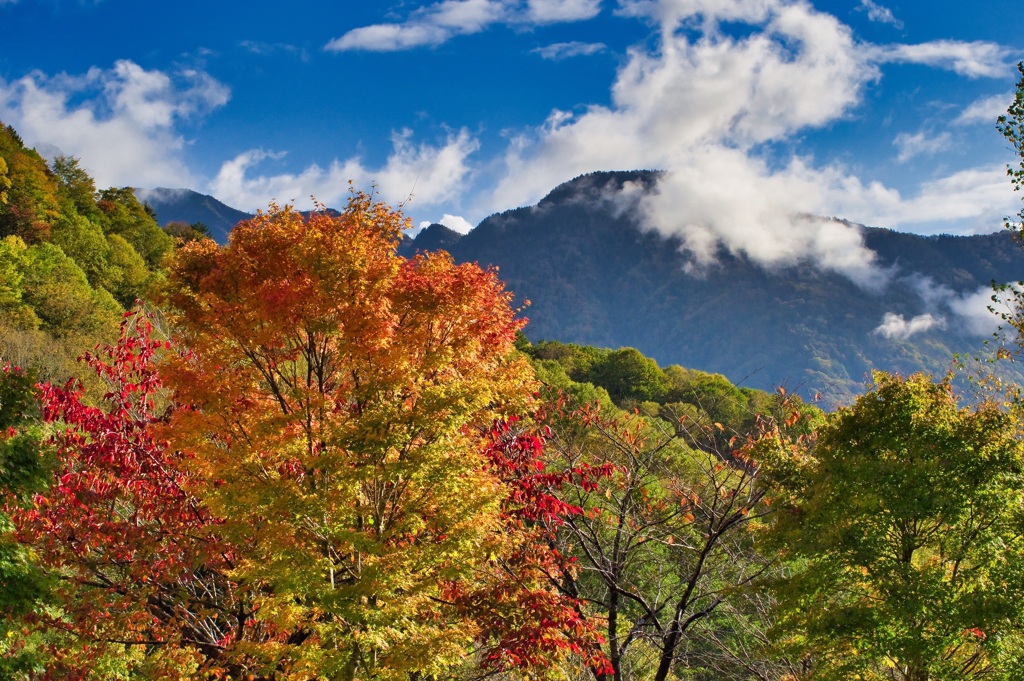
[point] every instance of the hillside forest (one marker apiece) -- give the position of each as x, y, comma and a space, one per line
302, 455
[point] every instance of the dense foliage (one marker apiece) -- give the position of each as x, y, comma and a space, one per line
321, 459
72, 259
902, 520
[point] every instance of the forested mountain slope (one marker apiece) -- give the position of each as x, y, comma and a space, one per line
595, 276
190, 207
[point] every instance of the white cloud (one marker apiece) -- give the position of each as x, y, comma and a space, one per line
880, 13
985, 110
456, 222
976, 312
920, 144
973, 200
554, 11
122, 121
972, 59
442, 21
698, 109
559, 51
729, 199
424, 174
895, 326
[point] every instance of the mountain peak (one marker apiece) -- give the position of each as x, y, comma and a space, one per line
188, 206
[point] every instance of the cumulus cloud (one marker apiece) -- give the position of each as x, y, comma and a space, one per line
428, 175
978, 59
121, 121
442, 21
456, 222
920, 144
698, 108
729, 199
895, 326
706, 106
880, 13
985, 110
559, 51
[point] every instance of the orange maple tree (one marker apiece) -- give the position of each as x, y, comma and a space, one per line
336, 400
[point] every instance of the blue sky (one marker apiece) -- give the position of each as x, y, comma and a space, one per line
762, 112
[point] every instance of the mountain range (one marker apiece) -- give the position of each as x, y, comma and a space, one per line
595, 274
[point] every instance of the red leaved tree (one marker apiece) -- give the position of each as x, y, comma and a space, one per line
141, 572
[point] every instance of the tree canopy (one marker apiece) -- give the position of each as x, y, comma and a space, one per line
902, 520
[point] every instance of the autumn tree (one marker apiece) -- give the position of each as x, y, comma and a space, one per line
140, 577
662, 542
336, 395
902, 523
5, 182
527, 619
31, 203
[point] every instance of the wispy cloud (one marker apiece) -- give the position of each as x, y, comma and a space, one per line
978, 59
920, 144
976, 312
437, 23
981, 310
880, 13
559, 51
265, 49
428, 175
985, 110
123, 122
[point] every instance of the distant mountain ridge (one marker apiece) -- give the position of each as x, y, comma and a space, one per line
185, 205
595, 276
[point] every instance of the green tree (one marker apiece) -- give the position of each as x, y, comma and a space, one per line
126, 275
5, 181
23, 471
125, 216
84, 242
663, 546
902, 522
76, 186
628, 375
58, 291
13, 263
